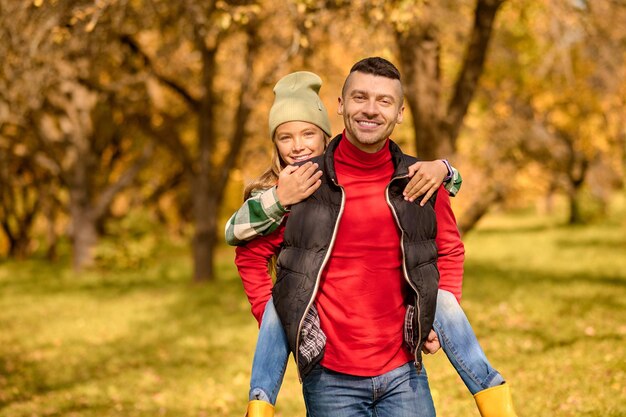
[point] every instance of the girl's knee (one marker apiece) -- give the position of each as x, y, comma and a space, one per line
446, 301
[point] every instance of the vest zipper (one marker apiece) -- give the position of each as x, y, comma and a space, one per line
319, 276
418, 362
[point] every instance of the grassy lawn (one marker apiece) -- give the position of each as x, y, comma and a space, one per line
547, 302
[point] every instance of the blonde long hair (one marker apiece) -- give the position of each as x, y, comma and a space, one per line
268, 179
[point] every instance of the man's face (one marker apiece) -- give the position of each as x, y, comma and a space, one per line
371, 106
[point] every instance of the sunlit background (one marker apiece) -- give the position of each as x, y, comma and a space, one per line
128, 129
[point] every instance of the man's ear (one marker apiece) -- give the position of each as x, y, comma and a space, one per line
339, 106
400, 114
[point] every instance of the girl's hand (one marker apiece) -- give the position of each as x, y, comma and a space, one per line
432, 344
426, 178
295, 183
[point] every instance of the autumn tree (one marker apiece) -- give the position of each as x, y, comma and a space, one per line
561, 76
19, 200
417, 30
206, 64
59, 71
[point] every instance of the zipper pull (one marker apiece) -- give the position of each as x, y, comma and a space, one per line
418, 367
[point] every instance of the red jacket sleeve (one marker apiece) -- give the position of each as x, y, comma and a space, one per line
449, 246
252, 263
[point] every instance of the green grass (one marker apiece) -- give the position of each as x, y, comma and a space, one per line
547, 302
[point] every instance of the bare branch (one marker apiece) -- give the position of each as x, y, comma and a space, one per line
171, 83
167, 134
473, 64
106, 197
170, 183
243, 110
51, 160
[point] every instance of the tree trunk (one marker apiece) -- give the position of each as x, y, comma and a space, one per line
479, 209
206, 175
84, 237
12, 244
18, 237
575, 214
18, 246
51, 235
19, 208
577, 167
436, 132
84, 230
419, 59
473, 65
204, 239
204, 213
209, 183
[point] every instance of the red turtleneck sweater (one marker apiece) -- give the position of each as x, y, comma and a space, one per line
360, 299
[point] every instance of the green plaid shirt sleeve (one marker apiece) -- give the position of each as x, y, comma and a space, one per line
261, 214
453, 185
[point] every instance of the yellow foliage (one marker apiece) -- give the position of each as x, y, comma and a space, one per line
502, 109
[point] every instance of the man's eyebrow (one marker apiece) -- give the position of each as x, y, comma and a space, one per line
378, 96
389, 96
362, 92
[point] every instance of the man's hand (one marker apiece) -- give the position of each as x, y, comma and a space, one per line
426, 177
432, 344
295, 183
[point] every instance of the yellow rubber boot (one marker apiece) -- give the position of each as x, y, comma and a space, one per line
495, 402
258, 408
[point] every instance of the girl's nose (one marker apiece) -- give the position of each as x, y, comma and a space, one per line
298, 143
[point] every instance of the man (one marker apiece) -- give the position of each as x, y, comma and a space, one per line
357, 277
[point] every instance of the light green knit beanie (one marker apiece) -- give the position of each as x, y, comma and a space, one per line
297, 99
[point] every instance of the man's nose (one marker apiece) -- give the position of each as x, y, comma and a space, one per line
370, 108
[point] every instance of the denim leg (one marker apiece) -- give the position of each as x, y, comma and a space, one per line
461, 346
397, 393
333, 394
270, 358
405, 393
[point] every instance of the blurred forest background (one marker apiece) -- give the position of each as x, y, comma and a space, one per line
128, 129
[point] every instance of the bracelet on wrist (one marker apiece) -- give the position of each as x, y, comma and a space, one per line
450, 174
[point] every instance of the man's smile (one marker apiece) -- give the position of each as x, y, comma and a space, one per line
368, 124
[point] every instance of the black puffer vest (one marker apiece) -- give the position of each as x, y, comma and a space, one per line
309, 237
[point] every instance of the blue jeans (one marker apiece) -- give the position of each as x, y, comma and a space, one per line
451, 325
397, 393
461, 346
270, 357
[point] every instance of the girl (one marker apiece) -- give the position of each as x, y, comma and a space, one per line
300, 129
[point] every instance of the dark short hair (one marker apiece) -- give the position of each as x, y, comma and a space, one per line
375, 66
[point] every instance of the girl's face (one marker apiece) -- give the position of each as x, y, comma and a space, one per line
298, 141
